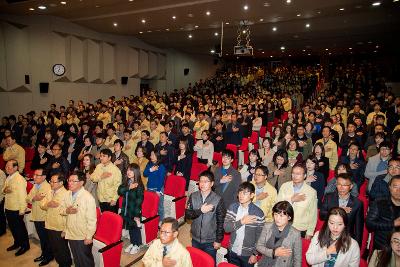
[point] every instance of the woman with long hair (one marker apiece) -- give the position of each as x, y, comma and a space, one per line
141, 160
294, 155
87, 168
390, 255
333, 245
323, 162
266, 152
247, 171
132, 192
279, 171
314, 178
279, 242
184, 161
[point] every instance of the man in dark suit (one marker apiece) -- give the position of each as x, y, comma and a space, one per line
144, 142
227, 179
353, 206
234, 131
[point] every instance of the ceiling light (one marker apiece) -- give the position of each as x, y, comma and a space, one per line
143, 21
167, 30
271, 56
140, 32
308, 25
212, 51
196, 26
299, 15
376, 4
226, 23
208, 13
130, 0
266, 4
290, 55
326, 49
304, 50
31, 9
63, 3
246, 7
261, 20
395, 0
42, 7
173, 17
350, 48
190, 36
341, 9
282, 48
274, 29
244, 31
375, 51
216, 33
377, 46
309, 54
148, 31
115, 24
190, 15
288, 1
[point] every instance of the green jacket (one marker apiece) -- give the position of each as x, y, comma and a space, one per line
131, 204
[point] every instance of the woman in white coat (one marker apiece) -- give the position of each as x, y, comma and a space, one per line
333, 246
204, 149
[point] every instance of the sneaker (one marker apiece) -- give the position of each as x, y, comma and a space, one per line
135, 249
128, 248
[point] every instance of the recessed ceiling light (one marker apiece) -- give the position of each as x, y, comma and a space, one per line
190, 15
395, 0
304, 50
319, 11
266, 4
350, 48
63, 3
196, 26
97, 6
326, 49
246, 7
341, 9
208, 13
143, 21
140, 32
226, 23
262, 52
261, 20
309, 54
375, 51
330, 53
290, 55
299, 15
271, 56
42, 7
288, 1
244, 31
148, 31
115, 24
173, 17
190, 36
212, 51
376, 4
308, 25
216, 33
274, 29
130, 0
167, 30
31, 9
282, 48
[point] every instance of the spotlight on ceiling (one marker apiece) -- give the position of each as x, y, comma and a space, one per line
143, 21
216, 33
173, 17
288, 1
246, 7
42, 7
63, 3
376, 4
212, 51
308, 25
31, 9
208, 13
115, 24
274, 29
190, 36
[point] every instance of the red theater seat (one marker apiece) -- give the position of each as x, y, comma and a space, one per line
150, 218
305, 244
174, 197
200, 258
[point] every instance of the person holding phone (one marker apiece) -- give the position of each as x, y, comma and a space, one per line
206, 210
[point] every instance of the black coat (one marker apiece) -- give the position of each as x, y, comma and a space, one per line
36, 161
184, 166
355, 217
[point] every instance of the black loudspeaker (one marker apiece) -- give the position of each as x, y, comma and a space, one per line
44, 88
27, 79
186, 71
124, 80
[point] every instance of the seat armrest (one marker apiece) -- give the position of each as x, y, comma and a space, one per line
178, 198
110, 246
149, 219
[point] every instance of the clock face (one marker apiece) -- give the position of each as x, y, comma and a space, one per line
59, 69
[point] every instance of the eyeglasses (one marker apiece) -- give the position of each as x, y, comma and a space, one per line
392, 167
395, 242
165, 232
259, 174
38, 175
55, 149
72, 181
54, 182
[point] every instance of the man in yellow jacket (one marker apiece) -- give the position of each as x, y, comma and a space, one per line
303, 199
55, 223
15, 206
79, 207
40, 190
2, 215
109, 178
167, 250
330, 147
14, 152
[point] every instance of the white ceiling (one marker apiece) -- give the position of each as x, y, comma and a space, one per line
360, 26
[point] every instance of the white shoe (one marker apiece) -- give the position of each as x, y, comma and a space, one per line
128, 248
135, 249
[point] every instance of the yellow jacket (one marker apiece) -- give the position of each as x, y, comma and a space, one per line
154, 137
142, 165
177, 252
331, 154
54, 220
199, 127
129, 149
2, 181
16, 200
267, 203
305, 212
107, 188
38, 214
81, 225
16, 152
109, 142
105, 117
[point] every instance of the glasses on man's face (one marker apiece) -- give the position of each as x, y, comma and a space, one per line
38, 175
166, 232
393, 167
259, 174
395, 242
55, 149
54, 182
73, 181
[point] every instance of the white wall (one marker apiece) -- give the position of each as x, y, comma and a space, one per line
95, 62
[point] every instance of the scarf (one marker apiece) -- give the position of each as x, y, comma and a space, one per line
292, 154
275, 241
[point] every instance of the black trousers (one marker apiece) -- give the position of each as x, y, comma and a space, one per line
3, 223
17, 228
59, 248
82, 253
105, 206
44, 240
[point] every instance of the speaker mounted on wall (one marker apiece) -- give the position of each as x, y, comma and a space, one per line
186, 71
124, 80
44, 88
27, 79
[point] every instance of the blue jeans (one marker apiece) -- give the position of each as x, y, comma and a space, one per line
161, 203
241, 261
206, 247
135, 236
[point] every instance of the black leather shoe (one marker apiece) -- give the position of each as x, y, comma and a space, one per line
40, 258
45, 262
13, 247
21, 251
